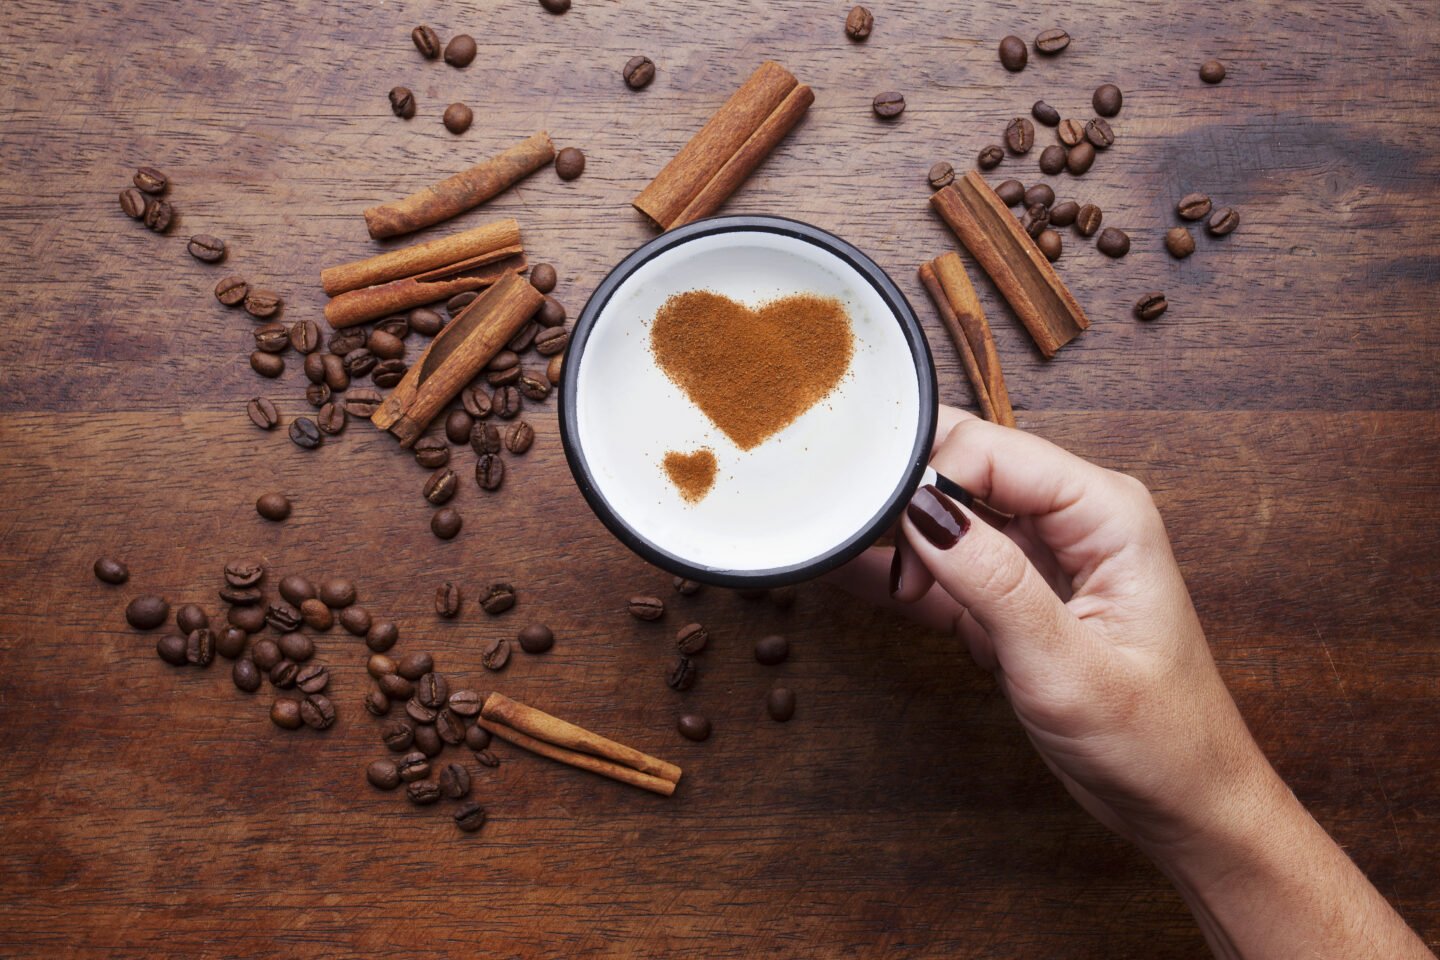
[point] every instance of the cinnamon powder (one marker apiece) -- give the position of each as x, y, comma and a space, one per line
692, 473
752, 372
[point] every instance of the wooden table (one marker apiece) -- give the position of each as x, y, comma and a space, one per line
1283, 411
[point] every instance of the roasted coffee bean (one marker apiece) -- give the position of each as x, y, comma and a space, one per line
1063, 214
171, 649
343, 341
273, 506
1037, 220
159, 214
1010, 192
432, 690
471, 816
990, 157
304, 433
383, 774
496, 655
1080, 158
536, 638
312, 678
533, 386
267, 364
422, 793
283, 674
519, 437
646, 608
230, 642
243, 573
476, 402
314, 367
245, 675
447, 600
293, 644
1179, 242
426, 322
1052, 41
271, 337
205, 248
427, 741
941, 174
266, 653
555, 6
395, 686
1049, 243
525, 338
231, 290
440, 486
413, 666
1020, 135
1052, 159
426, 41
460, 301
551, 341
418, 712
388, 373
150, 180
296, 589
147, 612
402, 102
466, 703
1150, 306
190, 617
1107, 100
132, 201
1212, 71
305, 336
1223, 221
780, 704
355, 620
498, 598
331, 418
1099, 133
501, 378
692, 726
1040, 193
432, 452
504, 360
241, 596
555, 369
1087, 219
489, 471
316, 615
449, 726
681, 675
486, 758
543, 277
569, 163
460, 51
446, 522
1044, 113
505, 401
109, 570
458, 426
1013, 55
376, 703
457, 118
318, 712
362, 402
337, 592
858, 23
477, 738
1193, 206
285, 713
382, 635
384, 345
772, 650
691, 638
358, 363
263, 303
413, 766
1070, 132
638, 72
685, 587
888, 105
1113, 243
200, 647
398, 735
397, 327
455, 781
249, 619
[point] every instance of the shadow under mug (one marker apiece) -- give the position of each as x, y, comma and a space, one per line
748, 258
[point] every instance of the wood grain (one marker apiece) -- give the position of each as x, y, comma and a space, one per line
1284, 411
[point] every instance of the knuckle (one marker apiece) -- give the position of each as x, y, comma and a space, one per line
1005, 580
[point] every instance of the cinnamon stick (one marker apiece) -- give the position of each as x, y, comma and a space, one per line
538, 723
463, 191
962, 342
1002, 247
582, 761
494, 240
969, 324
457, 353
397, 296
727, 149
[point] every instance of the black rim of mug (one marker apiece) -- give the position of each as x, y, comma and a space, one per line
842, 552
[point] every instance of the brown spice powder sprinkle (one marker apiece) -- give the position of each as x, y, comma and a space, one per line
692, 473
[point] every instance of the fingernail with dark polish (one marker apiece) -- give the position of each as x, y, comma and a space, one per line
936, 517
895, 573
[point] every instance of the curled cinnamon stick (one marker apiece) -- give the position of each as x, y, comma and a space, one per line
538, 723
727, 149
454, 195
582, 761
962, 343
949, 286
492, 241
397, 296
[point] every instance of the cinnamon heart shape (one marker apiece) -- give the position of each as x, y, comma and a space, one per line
753, 372
692, 473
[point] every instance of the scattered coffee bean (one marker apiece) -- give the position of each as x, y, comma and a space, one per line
780, 704
241, 596
422, 793
646, 608
413, 666
150, 180
942, 174
398, 735
505, 401
1044, 113
421, 714
476, 402
432, 690
383, 774
692, 726
551, 341
1223, 222
519, 437
305, 336
1040, 193
460, 301
230, 642
990, 157
243, 573
132, 201
489, 472
533, 386
466, 703
681, 675
1193, 206
1087, 219
395, 686
355, 620
296, 589
388, 373
343, 341
337, 592
772, 650
426, 322
432, 452
555, 6
455, 781
312, 678
1099, 133
200, 647
440, 486
273, 506
171, 649
858, 23
397, 327
1107, 100
486, 758
888, 105
283, 674
1013, 55
331, 418
496, 654
245, 675
147, 612
1037, 219
1020, 135
1052, 41
686, 588
536, 638
269, 365
402, 102
449, 726
1113, 242
471, 816
285, 714
427, 740
1150, 306
1070, 132
249, 619
446, 523
1049, 243
109, 570
293, 644
504, 360
460, 51
413, 766
231, 290
271, 337
266, 654
1052, 159
205, 248
1179, 243
362, 402
262, 303
190, 617
638, 72
358, 363
1080, 158
554, 370
498, 598
1063, 214
457, 118
159, 214
525, 338
543, 277
315, 615
569, 163
384, 345
691, 639
1010, 192
477, 738
382, 635
1212, 71
426, 41
314, 367
500, 378
318, 712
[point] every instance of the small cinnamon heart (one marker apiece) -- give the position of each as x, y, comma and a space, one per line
692, 473
753, 372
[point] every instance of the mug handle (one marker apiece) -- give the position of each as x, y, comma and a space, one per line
947, 486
